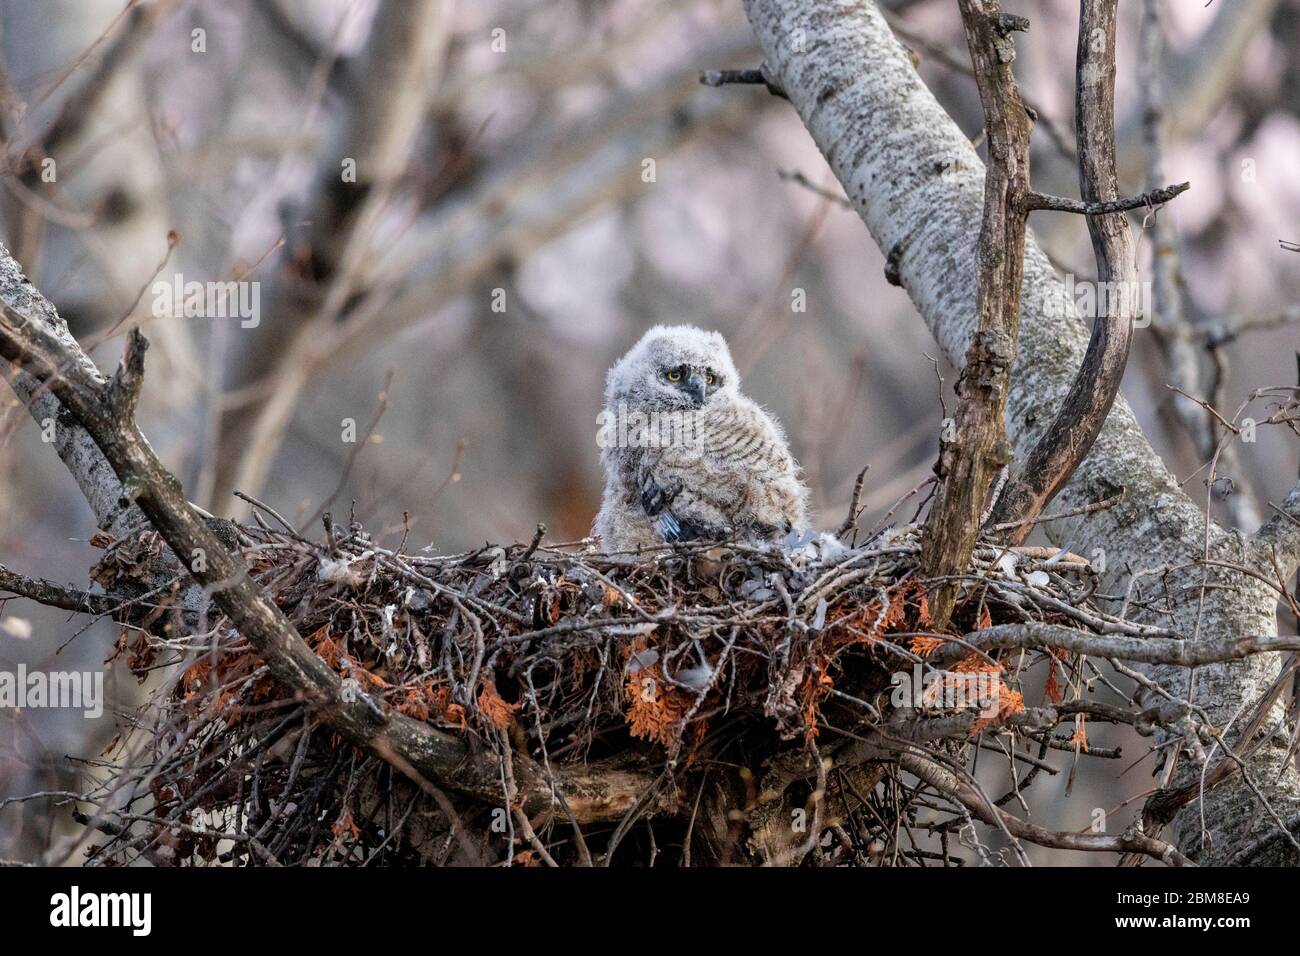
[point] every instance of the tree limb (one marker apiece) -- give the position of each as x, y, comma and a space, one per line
1142, 650
977, 450
1080, 417
1155, 197
55, 595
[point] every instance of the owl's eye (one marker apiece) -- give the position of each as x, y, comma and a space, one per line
673, 375
711, 379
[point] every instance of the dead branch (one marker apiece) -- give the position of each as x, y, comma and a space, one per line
1141, 650
977, 450
1148, 200
55, 595
751, 77
1131, 840
1078, 421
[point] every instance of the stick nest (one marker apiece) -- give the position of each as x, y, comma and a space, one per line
727, 664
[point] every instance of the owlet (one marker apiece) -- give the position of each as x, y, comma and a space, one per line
687, 457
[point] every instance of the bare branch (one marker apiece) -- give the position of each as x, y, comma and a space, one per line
55, 595
1130, 841
753, 77
977, 450
1078, 422
1156, 197
1141, 650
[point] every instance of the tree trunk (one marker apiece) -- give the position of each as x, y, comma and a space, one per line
917, 182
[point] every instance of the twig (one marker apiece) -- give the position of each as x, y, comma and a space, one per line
1156, 197
851, 519
1071, 513
750, 77
797, 177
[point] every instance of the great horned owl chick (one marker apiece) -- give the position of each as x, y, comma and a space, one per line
688, 457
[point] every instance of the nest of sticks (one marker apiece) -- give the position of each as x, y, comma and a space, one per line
726, 674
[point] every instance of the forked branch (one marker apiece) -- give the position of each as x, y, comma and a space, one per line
1072, 432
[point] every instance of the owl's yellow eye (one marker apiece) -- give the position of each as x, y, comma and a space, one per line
673, 375
711, 379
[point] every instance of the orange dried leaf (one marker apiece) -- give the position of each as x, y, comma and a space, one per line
494, 706
974, 663
415, 705
654, 710
1080, 736
923, 608
925, 646
345, 826
1010, 702
196, 677
362, 675
1053, 687
455, 713
328, 651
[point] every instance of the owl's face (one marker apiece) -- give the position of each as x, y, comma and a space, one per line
696, 382
673, 368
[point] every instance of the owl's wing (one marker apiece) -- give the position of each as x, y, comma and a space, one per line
681, 514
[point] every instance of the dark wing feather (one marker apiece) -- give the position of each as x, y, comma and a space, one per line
656, 500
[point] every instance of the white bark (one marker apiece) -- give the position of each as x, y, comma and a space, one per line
915, 179
80, 454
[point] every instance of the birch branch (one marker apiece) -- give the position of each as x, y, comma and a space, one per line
81, 456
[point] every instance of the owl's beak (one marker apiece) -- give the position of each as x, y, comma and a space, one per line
695, 388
